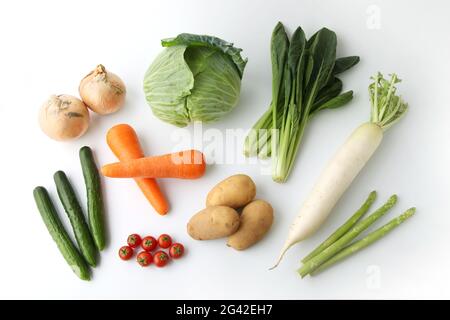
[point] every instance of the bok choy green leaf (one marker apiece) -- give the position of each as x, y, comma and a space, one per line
303, 83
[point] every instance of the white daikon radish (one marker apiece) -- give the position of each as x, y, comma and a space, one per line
341, 170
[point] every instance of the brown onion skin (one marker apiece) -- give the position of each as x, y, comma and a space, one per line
64, 117
102, 91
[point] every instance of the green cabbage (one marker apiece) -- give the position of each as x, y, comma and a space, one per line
195, 78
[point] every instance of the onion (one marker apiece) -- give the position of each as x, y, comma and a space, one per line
102, 91
64, 117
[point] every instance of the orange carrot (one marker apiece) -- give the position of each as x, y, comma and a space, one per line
124, 143
189, 164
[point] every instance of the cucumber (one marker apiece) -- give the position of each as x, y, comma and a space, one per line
76, 217
94, 197
59, 234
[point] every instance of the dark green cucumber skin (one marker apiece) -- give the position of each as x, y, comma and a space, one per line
76, 217
59, 234
94, 197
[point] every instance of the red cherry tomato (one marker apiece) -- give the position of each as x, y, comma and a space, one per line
149, 243
160, 258
164, 241
134, 240
176, 250
144, 258
125, 252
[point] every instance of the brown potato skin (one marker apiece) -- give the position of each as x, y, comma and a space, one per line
256, 220
235, 192
213, 222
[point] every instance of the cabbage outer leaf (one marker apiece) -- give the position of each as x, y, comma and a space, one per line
195, 40
217, 84
167, 83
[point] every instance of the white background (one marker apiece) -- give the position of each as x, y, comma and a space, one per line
48, 46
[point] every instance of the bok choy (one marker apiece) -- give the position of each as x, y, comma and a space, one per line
304, 82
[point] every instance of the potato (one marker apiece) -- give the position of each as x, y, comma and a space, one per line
213, 223
235, 192
256, 220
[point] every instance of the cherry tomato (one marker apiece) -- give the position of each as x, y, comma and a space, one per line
144, 258
149, 243
160, 258
134, 240
164, 241
125, 252
176, 250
